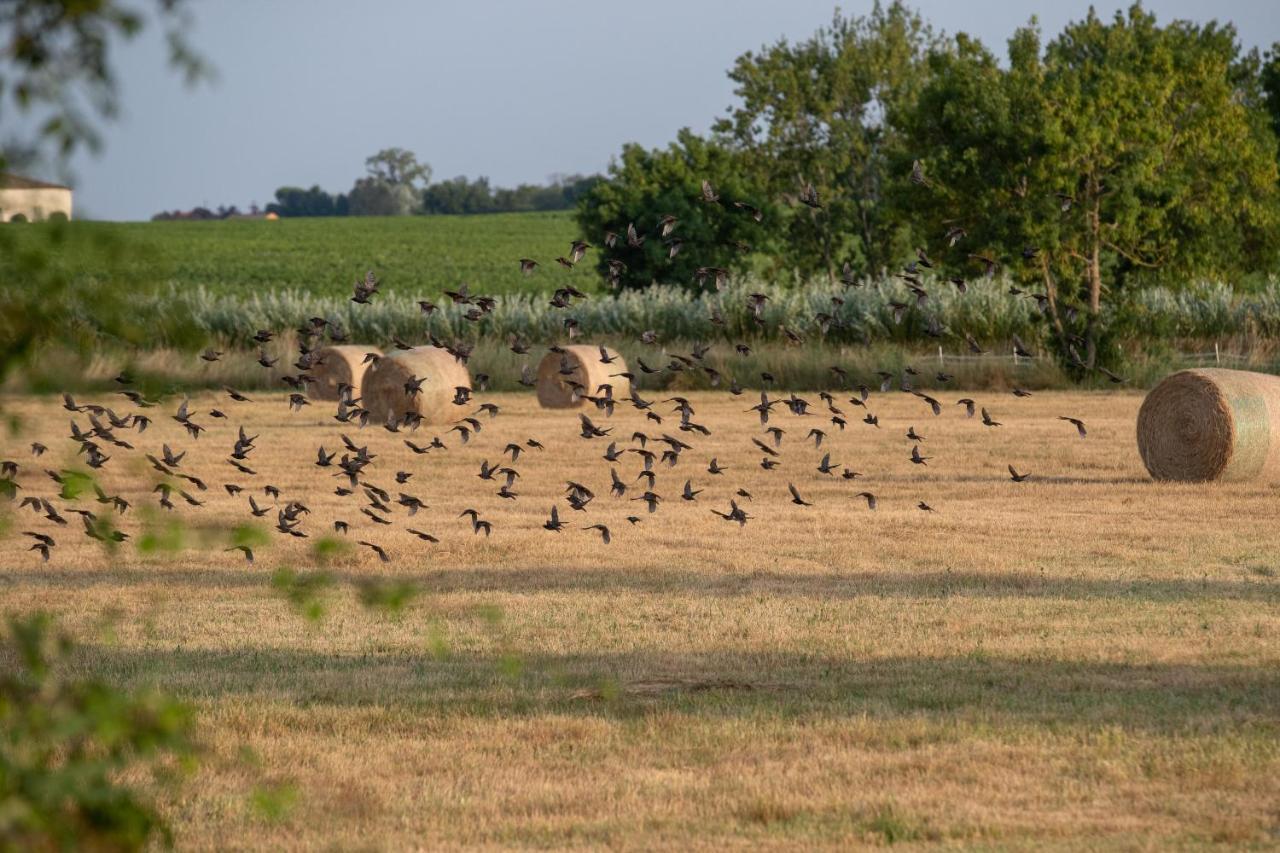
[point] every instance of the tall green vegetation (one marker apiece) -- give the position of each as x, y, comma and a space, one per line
810, 113
1119, 152
646, 186
453, 196
412, 255
1115, 152
1269, 76
815, 113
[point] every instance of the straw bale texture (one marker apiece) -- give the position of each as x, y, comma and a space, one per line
384, 391
1212, 424
579, 366
336, 366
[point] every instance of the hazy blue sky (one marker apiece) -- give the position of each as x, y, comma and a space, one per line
514, 90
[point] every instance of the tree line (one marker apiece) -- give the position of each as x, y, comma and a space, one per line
1118, 151
397, 184
1159, 143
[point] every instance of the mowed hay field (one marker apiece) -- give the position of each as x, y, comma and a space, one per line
1087, 659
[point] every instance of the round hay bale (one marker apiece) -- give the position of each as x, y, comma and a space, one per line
333, 367
440, 372
565, 378
1212, 424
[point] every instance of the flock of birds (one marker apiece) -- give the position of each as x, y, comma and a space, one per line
100, 439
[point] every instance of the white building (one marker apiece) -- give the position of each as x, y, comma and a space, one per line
24, 199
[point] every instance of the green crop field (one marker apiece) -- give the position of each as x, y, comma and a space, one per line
319, 256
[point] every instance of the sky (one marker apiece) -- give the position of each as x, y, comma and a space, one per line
516, 90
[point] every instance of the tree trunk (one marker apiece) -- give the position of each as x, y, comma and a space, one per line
1095, 275
826, 246
1051, 291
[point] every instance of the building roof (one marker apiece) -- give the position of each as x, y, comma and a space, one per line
17, 182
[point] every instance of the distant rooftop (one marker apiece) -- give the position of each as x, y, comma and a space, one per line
17, 182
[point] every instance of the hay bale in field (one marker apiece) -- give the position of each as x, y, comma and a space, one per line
564, 378
1212, 424
440, 374
333, 367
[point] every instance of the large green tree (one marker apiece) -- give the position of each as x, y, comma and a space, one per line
814, 113
644, 186
1119, 148
1269, 77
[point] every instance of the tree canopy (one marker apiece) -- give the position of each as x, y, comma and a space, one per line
814, 113
644, 186
1117, 151
295, 201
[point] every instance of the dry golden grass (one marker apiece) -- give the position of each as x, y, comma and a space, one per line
1088, 659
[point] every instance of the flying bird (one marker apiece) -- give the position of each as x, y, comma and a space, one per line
1076, 422
795, 496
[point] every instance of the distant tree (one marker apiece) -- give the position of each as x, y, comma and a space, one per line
295, 201
645, 185
459, 195
1117, 149
397, 166
564, 191
377, 197
814, 113
392, 187
462, 196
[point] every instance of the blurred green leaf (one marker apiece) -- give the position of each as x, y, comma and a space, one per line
75, 483
251, 535
305, 592
162, 535
390, 596
274, 801
438, 641
328, 548
67, 744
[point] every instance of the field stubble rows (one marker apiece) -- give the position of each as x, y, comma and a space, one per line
1085, 658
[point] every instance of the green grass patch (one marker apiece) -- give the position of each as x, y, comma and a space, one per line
322, 256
